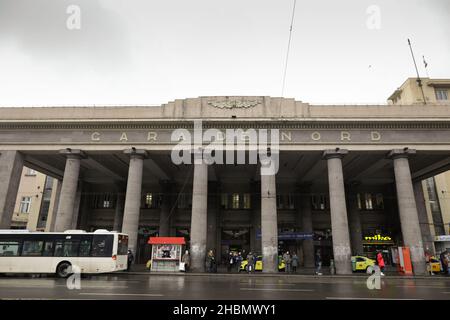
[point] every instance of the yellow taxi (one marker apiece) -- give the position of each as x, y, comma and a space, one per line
361, 263
435, 264
259, 264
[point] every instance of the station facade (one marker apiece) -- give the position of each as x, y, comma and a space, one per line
349, 178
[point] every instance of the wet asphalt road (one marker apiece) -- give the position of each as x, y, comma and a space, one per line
126, 286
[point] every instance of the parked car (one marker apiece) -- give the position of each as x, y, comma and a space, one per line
259, 264
435, 264
361, 263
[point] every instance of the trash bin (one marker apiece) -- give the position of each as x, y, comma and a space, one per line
353, 264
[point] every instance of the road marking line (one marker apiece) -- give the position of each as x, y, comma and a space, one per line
423, 286
269, 284
83, 286
276, 289
352, 298
120, 294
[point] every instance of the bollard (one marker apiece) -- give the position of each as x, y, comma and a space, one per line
332, 268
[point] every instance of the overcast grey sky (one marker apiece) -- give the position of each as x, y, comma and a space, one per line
151, 52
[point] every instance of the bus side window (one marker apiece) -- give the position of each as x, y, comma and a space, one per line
59, 249
85, 248
32, 248
48, 249
102, 246
71, 248
9, 248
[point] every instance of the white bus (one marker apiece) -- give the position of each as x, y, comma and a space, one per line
22, 251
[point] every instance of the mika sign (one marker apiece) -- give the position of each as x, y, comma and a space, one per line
378, 238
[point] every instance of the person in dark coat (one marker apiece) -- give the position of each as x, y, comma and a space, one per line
230, 262
318, 261
295, 263
130, 259
250, 262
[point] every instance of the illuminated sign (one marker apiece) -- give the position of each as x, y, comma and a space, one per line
377, 238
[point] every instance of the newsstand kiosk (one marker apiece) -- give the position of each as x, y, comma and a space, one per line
166, 253
404, 264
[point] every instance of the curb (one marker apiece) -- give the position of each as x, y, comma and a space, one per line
271, 275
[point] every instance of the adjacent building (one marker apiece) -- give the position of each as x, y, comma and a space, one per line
437, 188
35, 202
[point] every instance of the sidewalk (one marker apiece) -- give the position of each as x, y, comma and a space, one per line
301, 273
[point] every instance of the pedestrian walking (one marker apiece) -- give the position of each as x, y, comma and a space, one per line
380, 262
250, 262
209, 261
318, 262
448, 262
230, 262
295, 263
444, 261
287, 261
130, 259
428, 262
238, 261
213, 262
186, 259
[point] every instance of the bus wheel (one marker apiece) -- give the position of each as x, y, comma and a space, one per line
63, 269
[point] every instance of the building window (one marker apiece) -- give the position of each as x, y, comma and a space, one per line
280, 202
435, 206
291, 201
319, 202
149, 200
379, 201
103, 201
184, 201
235, 201
369, 201
247, 201
224, 201
153, 200
30, 172
25, 205
441, 94
358, 199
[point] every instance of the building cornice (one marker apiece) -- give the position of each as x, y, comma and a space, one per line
226, 123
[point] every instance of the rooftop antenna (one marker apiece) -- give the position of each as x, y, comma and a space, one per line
287, 56
419, 81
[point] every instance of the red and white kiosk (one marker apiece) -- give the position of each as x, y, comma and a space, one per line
166, 253
402, 258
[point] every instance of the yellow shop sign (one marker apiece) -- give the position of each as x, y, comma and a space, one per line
377, 237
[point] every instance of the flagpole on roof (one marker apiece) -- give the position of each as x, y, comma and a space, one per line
425, 63
419, 81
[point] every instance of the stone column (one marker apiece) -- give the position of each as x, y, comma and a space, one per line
118, 212
77, 206
213, 204
255, 241
409, 218
307, 225
67, 197
338, 211
427, 238
354, 217
11, 165
130, 224
269, 223
50, 227
166, 206
199, 216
